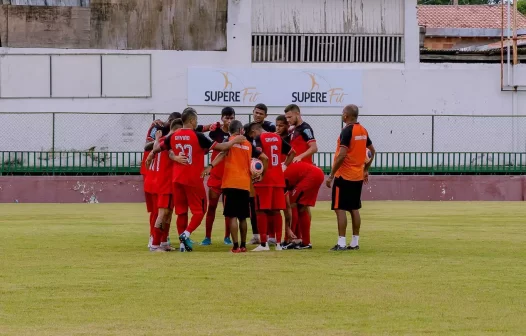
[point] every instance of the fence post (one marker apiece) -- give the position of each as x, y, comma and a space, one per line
432, 145
53, 133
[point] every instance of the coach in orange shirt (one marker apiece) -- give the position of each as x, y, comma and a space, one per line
349, 172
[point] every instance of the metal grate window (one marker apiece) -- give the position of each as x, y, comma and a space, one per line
324, 48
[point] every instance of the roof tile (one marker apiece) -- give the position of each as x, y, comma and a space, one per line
465, 16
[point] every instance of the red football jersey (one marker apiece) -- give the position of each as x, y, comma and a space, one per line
300, 138
163, 168
149, 137
150, 177
296, 172
194, 145
273, 147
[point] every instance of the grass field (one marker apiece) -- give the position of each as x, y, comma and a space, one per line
424, 268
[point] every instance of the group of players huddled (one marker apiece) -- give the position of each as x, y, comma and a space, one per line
174, 169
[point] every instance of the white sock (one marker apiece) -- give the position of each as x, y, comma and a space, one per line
342, 242
187, 234
256, 236
354, 241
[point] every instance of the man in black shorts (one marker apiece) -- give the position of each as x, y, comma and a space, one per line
349, 171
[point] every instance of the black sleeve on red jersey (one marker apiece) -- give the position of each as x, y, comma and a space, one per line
285, 147
204, 141
346, 136
256, 153
307, 133
167, 143
269, 126
257, 143
369, 142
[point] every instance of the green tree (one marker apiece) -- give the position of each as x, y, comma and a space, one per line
521, 6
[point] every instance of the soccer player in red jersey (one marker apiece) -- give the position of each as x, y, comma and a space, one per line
149, 195
282, 129
188, 189
302, 136
304, 181
218, 135
270, 198
162, 165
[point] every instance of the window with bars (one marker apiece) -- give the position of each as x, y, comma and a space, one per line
324, 48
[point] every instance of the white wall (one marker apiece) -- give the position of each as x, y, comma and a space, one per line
389, 89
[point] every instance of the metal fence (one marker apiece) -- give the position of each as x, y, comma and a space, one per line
113, 142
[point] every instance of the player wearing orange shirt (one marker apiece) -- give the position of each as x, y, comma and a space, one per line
349, 172
236, 184
270, 196
220, 134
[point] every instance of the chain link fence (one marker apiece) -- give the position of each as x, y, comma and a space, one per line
56, 136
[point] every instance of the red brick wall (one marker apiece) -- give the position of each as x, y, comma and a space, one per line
444, 43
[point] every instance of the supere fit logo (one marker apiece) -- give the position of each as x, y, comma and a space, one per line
323, 93
233, 91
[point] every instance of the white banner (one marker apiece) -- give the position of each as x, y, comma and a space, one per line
274, 87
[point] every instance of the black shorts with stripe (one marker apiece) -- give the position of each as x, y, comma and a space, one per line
236, 203
346, 195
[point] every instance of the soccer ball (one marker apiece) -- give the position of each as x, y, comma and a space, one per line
368, 155
256, 167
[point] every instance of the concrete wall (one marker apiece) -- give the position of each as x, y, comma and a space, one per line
119, 189
388, 89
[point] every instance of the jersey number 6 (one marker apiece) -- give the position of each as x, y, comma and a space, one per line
275, 157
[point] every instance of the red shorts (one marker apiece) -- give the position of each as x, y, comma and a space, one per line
165, 201
189, 197
150, 201
306, 192
214, 183
270, 198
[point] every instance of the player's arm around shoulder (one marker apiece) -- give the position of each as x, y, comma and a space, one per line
227, 145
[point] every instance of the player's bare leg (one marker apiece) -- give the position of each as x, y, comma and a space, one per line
243, 230
167, 222
253, 222
234, 232
213, 200
341, 217
356, 223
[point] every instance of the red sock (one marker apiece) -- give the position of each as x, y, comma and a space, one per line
262, 226
211, 216
304, 220
271, 230
157, 234
195, 221
227, 227
182, 223
295, 226
277, 222
153, 218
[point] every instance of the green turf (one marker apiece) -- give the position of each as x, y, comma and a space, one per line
424, 268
